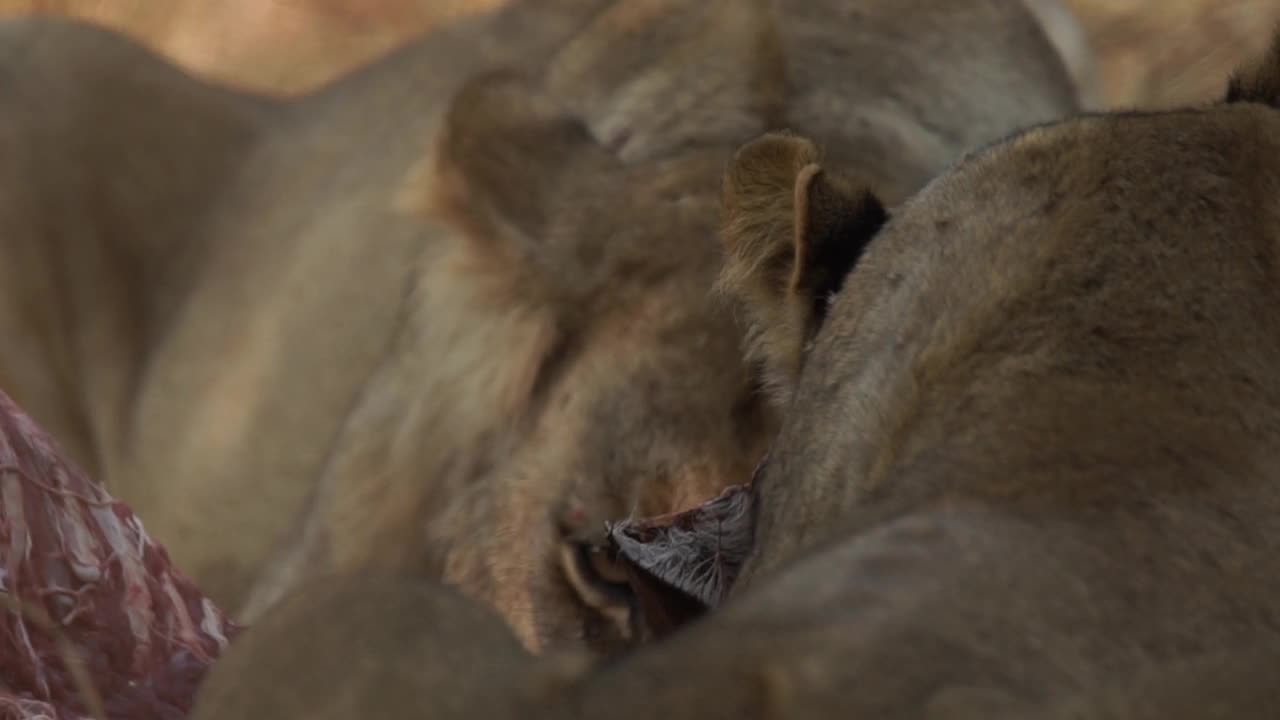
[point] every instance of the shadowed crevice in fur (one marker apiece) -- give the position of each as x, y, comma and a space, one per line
662, 608
1259, 81
842, 221
697, 552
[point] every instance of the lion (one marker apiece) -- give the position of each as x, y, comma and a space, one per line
344, 646
372, 644
1031, 433
363, 644
1230, 684
450, 314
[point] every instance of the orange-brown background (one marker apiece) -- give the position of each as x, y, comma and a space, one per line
1151, 52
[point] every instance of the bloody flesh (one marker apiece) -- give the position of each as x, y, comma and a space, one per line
144, 633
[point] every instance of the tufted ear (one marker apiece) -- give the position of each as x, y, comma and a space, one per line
654, 575
792, 232
681, 564
1259, 81
650, 76
511, 167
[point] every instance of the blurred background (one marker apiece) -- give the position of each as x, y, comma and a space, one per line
1151, 52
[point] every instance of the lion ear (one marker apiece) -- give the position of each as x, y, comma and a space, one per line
654, 575
651, 76
1259, 81
680, 566
792, 232
511, 162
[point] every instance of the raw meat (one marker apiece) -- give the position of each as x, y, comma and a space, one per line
85, 571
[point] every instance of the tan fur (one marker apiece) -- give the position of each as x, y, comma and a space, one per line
1070, 38
1028, 465
373, 644
451, 311
761, 236
731, 47
379, 645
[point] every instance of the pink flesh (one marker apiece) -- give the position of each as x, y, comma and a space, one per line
146, 634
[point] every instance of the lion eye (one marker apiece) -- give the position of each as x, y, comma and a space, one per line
601, 584
604, 563
596, 575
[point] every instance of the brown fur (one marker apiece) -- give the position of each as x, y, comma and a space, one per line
375, 645
1029, 460
442, 315
1235, 684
